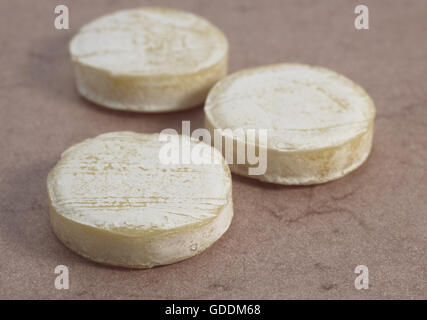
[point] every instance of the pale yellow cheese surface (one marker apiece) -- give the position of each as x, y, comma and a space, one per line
319, 123
115, 187
148, 59
149, 41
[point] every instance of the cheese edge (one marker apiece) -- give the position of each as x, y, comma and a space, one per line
139, 252
148, 93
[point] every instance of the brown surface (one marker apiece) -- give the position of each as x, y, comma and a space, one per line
284, 242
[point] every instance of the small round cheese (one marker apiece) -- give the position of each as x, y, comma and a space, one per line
148, 59
319, 124
115, 201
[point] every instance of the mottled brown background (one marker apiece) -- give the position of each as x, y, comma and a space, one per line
284, 242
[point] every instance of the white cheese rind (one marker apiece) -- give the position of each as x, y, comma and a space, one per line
148, 59
114, 202
319, 123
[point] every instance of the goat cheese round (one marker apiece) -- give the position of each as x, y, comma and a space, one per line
148, 59
319, 124
114, 200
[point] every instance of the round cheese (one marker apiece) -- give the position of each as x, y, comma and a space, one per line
319, 124
148, 59
116, 201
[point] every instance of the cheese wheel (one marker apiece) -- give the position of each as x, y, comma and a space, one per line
148, 59
112, 200
319, 124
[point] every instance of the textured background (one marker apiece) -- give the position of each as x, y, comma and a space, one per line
284, 242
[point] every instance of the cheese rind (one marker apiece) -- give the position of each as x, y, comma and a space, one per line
319, 123
113, 201
148, 59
